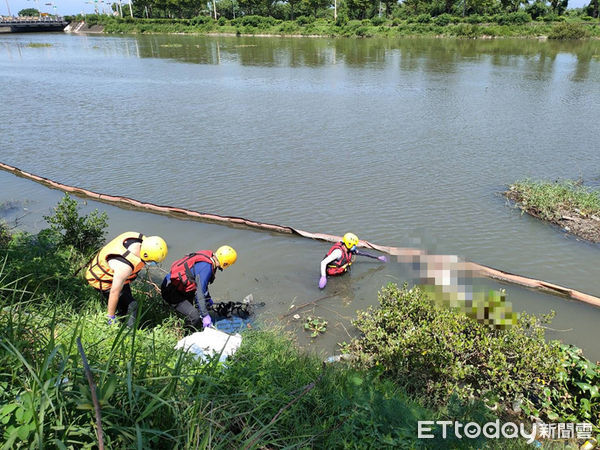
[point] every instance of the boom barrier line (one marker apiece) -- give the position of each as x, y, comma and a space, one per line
402, 254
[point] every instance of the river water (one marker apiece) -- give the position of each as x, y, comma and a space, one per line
405, 142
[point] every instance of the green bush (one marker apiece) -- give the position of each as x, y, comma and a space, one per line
443, 19
200, 20
577, 396
342, 19
474, 18
423, 18
248, 21
222, 21
439, 352
4, 235
85, 233
566, 30
304, 20
288, 27
513, 18
467, 30
377, 21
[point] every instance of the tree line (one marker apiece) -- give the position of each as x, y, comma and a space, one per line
342, 10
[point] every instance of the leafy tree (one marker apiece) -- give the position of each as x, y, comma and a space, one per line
357, 9
559, 6
293, 4
389, 6
250, 7
537, 9
314, 5
29, 12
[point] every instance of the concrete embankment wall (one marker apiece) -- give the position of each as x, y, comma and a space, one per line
82, 27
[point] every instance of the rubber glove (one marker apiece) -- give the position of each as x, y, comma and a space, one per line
111, 319
206, 321
322, 282
382, 258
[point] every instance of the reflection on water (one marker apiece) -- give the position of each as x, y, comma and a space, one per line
409, 54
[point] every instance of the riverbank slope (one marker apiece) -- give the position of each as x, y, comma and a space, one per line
452, 26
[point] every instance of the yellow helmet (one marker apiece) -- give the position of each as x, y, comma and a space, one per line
226, 256
154, 249
350, 239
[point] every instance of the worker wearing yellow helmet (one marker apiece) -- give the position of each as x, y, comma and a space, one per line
185, 287
340, 257
117, 264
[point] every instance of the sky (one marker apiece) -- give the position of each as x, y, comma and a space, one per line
72, 7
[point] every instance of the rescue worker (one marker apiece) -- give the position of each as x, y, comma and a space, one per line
117, 264
340, 257
185, 287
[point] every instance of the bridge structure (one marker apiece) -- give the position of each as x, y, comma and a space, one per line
32, 24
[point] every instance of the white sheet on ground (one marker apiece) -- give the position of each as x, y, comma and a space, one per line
204, 344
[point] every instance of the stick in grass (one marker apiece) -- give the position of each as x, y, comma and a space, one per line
88, 374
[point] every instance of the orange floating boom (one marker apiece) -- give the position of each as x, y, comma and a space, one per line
402, 254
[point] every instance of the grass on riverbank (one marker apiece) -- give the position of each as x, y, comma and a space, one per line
269, 395
566, 203
425, 364
507, 25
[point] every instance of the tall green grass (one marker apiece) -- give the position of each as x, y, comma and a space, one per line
269, 395
550, 200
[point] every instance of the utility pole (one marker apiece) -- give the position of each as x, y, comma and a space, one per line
130, 9
215, 8
335, 10
8, 7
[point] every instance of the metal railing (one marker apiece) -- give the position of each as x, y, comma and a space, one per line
31, 20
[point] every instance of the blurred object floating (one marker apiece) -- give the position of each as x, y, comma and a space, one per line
443, 268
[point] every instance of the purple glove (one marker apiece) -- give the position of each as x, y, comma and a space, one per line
207, 321
209, 302
111, 319
382, 258
322, 282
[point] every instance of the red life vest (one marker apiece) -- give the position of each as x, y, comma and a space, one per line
181, 270
342, 264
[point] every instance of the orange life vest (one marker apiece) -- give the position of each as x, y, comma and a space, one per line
100, 275
181, 270
342, 264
